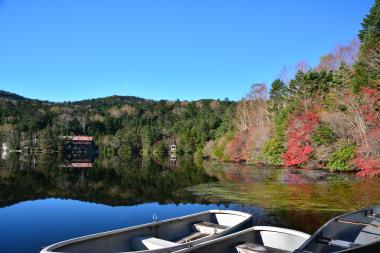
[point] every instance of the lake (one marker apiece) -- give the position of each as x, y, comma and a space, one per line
44, 200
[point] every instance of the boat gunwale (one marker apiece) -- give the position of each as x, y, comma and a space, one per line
50, 248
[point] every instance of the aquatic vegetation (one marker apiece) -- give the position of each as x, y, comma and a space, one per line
272, 188
332, 197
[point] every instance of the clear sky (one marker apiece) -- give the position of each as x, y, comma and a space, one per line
63, 50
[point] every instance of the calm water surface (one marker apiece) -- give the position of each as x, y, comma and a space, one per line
46, 200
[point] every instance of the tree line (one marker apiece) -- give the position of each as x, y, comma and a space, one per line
326, 116
123, 126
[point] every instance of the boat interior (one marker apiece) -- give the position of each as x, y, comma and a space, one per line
355, 230
155, 236
254, 240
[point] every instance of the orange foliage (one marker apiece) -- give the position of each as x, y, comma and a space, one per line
240, 147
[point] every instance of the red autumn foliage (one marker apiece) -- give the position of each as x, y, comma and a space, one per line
234, 147
370, 166
368, 155
240, 147
300, 128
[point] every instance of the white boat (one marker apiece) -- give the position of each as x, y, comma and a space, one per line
160, 236
256, 239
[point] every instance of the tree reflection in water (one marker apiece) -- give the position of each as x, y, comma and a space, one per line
294, 198
110, 182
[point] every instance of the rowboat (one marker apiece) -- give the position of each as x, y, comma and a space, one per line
256, 239
159, 236
353, 232
349, 233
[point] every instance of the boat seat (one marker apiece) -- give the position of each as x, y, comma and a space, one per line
150, 243
208, 227
249, 247
342, 244
369, 234
192, 237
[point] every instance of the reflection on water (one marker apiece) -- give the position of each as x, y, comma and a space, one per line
111, 182
297, 198
45, 199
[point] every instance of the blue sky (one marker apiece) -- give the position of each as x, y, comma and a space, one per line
187, 49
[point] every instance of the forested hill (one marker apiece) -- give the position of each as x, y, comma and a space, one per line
90, 102
8, 95
120, 124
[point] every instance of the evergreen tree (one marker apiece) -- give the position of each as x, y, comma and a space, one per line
277, 94
277, 89
371, 26
342, 76
367, 68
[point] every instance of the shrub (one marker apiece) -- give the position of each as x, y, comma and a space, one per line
240, 146
273, 150
323, 135
339, 160
218, 150
299, 132
370, 166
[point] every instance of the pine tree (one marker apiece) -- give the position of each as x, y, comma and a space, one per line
342, 76
277, 94
367, 68
371, 26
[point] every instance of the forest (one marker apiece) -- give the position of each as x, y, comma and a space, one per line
122, 126
325, 116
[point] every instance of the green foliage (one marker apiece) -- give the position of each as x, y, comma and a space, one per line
219, 149
277, 89
273, 151
159, 149
122, 126
341, 77
323, 135
219, 152
226, 124
371, 25
274, 148
277, 94
310, 84
339, 160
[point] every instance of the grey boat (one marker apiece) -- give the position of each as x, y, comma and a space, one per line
353, 232
160, 236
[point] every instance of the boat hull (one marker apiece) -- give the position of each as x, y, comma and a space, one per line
161, 236
353, 232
